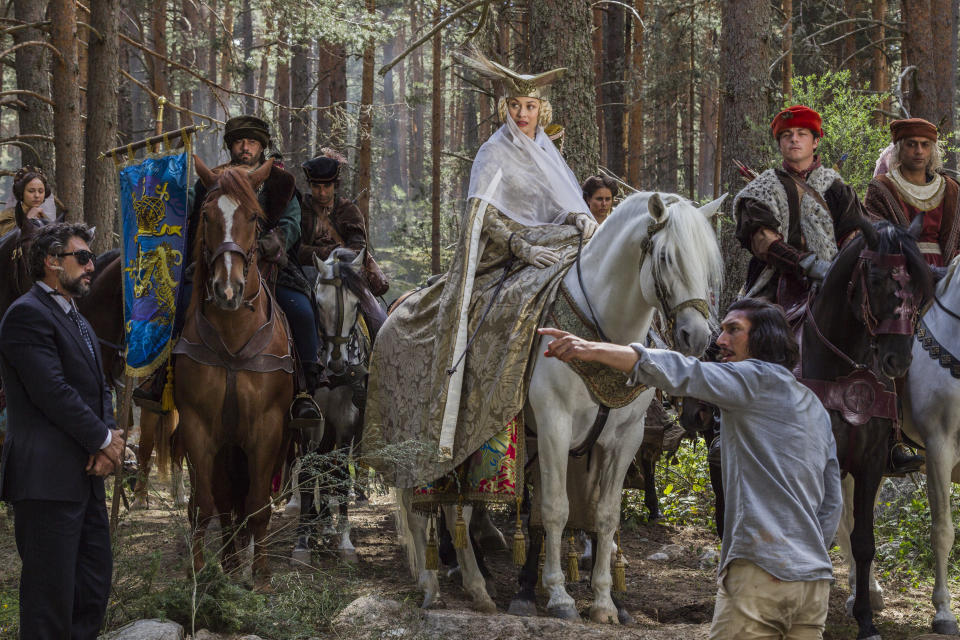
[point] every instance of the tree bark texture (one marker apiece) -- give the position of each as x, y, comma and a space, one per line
32, 75
299, 146
392, 152
561, 29
596, 42
281, 95
880, 79
66, 112
416, 98
787, 73
246, 38
614, 87
744, 59
918, 49
361, 184
159, 73
436, 144
636, 147
99, 197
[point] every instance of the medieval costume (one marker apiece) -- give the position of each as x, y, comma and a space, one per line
892, 197
15, 216
450, 368
813, 211
325, 228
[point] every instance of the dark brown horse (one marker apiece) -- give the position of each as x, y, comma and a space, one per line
233, 374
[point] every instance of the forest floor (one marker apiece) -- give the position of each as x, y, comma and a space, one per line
671, 599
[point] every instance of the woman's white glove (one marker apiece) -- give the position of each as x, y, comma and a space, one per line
542, 257
587, 225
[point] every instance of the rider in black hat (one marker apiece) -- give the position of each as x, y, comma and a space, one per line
328, 220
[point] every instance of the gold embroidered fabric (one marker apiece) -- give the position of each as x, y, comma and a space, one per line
409, 382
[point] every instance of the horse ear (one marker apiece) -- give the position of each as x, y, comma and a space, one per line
710, 209
259, 175
207, 178
916, 226
869, 233
317, 262
358, 261
656, 207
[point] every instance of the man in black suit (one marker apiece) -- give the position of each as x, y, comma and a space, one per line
61, 442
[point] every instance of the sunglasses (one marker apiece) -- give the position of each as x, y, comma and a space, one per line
82, 256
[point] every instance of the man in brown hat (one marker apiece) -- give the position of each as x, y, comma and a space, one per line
913, 184
329, 220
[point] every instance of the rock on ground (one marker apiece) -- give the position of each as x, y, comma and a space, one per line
146, 630
376, 618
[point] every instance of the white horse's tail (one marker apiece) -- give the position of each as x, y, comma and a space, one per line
404, 532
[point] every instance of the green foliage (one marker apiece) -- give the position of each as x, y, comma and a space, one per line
902, 530
9, 612
848, 124
683, 484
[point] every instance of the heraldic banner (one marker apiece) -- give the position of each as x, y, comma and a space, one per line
153, 196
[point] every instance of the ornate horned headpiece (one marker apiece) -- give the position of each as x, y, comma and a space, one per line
515, 84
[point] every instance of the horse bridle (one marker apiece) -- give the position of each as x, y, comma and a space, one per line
670, 313
907, 311
226, 247
337, 340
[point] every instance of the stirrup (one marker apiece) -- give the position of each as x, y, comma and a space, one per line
911, 463
306, 423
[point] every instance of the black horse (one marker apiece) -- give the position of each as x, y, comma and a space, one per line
857, 337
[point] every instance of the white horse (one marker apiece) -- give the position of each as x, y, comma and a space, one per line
654, 251
931, 417
338, 288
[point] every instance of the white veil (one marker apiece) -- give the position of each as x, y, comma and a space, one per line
536, 187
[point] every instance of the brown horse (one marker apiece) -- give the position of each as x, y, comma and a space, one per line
233, 374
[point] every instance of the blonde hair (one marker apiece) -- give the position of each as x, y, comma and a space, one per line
933, 166
546, 111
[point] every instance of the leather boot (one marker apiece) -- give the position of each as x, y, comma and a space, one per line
902, 460
304, 412
150, 395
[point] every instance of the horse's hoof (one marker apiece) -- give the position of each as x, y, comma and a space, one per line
624, 616
946, 627
348, 555
564, 612
292, 510
484, 606
523, 608
849, 606
876, 601
432, 601
491, 586
139, 504
604, 616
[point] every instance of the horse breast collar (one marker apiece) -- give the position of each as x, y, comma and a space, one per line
937, 351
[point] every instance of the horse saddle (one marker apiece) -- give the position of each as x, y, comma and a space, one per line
858, 397
17, 246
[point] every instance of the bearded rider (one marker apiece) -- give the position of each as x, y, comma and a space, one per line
247, 138
909, 182
793, 219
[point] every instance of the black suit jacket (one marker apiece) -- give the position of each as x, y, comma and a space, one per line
58, 405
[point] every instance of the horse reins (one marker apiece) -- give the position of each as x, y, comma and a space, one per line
248, 255
336, 339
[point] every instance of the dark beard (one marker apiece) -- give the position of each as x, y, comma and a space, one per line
77, 288
235, 159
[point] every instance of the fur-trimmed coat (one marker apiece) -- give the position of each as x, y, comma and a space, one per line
883, 201
346, 220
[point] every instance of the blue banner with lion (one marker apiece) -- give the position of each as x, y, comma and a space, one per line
153, 194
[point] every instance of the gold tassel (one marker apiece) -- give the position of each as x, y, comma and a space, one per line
542, 560
166, 398
432, 562
460, 534
619, 570
573, 563
519, 545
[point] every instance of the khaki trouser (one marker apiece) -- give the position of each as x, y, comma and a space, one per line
753, 605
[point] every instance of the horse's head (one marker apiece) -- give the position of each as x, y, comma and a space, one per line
886, 281
228, 233
339, 289
680, 265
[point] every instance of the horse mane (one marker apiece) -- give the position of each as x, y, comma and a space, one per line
687, 246
354, 280
894, 239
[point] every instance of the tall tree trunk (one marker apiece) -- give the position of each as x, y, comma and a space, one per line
614, 88
281, 95
880, 79
635, 174
417, 125
361, 184
393, 152
246, 38
66, 111
691, 108
787, 74
671, 147
209, 148
436, 143
944, 27
403, 117
160, 79
709, 108
32, 75
744, 60
561, 29
918, 50
299, 149
99, 197
596, 42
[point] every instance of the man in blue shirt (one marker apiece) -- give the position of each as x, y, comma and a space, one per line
781, 477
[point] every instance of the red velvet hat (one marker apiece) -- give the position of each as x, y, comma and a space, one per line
797, 116
913, 128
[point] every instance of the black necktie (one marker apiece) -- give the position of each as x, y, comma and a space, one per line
83, 329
